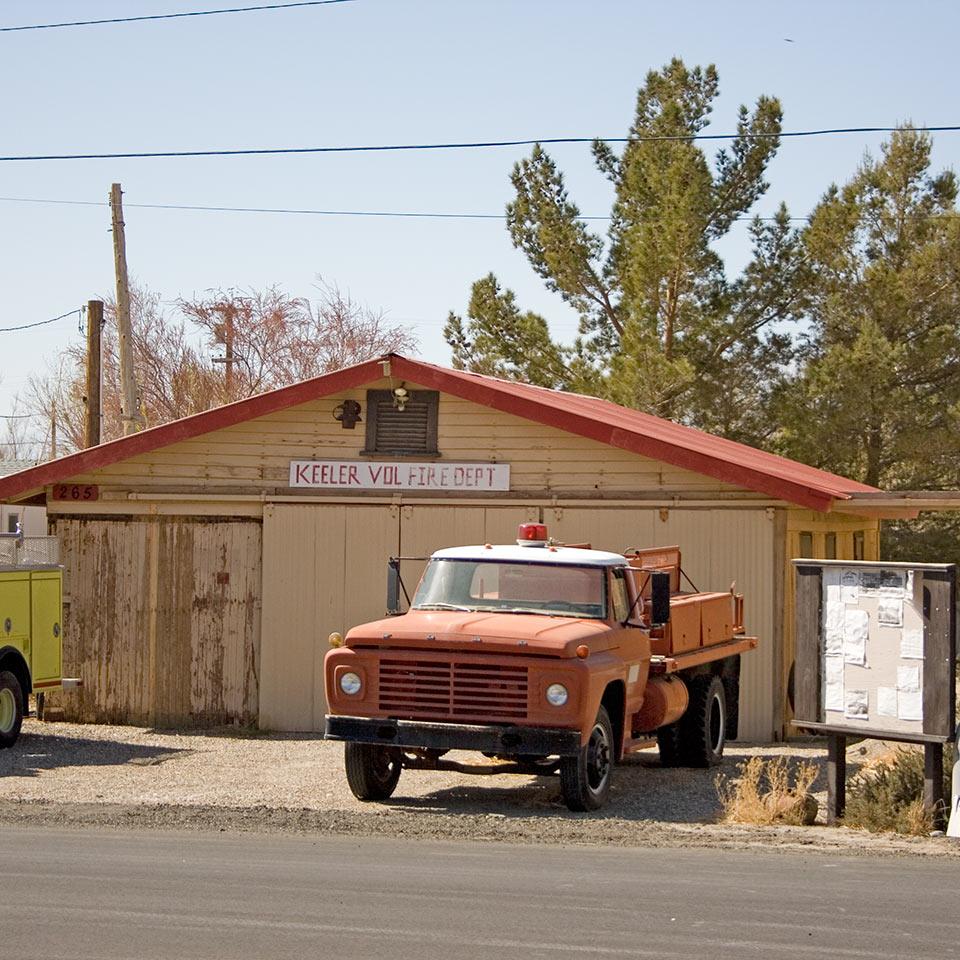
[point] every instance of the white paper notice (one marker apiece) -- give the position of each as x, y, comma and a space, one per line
909, 705
855, 625
908, 679
856, 705
833, 593
891, 582
850, 586
911, 645
887, 701
833, 628
833, 674
890, 611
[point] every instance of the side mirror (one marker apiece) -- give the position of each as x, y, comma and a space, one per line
393, 587
659, 598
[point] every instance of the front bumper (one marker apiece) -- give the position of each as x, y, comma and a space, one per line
417, 734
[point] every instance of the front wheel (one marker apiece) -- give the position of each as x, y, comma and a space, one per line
372, 770
11, 709
585, 778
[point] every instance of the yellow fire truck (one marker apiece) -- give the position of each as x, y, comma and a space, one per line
31, 603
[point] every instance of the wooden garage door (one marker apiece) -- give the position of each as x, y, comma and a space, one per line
161, 620
325, 569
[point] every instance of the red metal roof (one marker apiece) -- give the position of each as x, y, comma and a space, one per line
600, 420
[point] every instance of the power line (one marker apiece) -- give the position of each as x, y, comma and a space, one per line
437, 215
172, 16
304, 211
16, 416
41, 323
466, 145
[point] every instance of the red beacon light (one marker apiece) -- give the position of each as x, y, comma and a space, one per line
532, 535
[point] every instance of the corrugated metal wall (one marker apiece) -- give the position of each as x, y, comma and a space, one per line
718, 547
325, 570
162, 620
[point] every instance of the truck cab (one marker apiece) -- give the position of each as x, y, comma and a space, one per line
545, 658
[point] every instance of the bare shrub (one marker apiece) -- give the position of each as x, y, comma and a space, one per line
769, 791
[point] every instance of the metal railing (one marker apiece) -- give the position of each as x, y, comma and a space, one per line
17, 550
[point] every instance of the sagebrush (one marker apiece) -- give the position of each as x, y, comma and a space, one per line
889, 796
769, 791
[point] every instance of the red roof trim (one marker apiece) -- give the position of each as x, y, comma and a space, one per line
188, 428
589, 417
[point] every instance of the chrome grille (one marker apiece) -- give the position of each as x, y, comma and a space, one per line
453, 690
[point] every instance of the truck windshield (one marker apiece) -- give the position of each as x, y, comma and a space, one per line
512, 587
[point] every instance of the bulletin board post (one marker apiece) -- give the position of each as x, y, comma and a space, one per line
876, 658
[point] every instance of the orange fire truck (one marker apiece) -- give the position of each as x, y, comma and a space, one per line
543, 657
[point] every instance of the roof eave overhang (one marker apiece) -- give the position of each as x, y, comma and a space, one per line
774, 485
714, 467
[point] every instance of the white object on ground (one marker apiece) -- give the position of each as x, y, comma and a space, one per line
953, 828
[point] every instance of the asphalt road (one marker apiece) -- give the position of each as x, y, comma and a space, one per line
101, 894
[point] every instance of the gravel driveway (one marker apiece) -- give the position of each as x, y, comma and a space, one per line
69, 773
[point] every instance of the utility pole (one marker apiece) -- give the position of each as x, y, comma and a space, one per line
53, 430
94, 376
129, 403
228, 352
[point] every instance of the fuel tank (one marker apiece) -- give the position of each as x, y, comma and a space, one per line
664, 701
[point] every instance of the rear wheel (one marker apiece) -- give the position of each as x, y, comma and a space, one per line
585, 778
372, 770
697, 739
11, 709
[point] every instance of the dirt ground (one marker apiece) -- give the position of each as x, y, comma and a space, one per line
67, 774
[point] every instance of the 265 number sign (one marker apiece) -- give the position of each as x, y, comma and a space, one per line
76, 491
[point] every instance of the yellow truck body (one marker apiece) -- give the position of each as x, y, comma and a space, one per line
31, 615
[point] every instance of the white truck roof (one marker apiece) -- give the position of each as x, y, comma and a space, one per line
571, 556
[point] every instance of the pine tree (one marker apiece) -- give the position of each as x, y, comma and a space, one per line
878, 394
662, 328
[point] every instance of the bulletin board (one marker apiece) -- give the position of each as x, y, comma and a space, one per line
876, 649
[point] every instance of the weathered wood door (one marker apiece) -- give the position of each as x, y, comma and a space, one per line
162, 620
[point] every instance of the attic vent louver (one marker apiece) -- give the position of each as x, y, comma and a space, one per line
411, 431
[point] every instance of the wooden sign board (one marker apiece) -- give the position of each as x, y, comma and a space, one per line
876, 649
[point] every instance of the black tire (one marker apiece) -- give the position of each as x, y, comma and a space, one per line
11, 709
668, 740
372, 770
698, 738
585, 778
703, 728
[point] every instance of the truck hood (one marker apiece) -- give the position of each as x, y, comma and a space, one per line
484, 632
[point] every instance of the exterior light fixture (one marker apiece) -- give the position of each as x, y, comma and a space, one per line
348, 414
401, 397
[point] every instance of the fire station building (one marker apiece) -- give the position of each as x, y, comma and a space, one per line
207, 560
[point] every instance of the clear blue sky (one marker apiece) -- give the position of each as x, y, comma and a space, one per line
395, 71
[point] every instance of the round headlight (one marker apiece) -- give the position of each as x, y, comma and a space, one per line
557, 694
350, 683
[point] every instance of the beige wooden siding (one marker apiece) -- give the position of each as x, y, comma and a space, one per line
718, 546
818, 525
255, 456
162, 621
